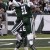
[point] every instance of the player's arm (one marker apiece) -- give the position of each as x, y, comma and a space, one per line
35, 6
10, 12
16, 3
30, 4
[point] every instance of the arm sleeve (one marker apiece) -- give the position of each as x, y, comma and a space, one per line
10, 12
10, 3
16, 3
31, 4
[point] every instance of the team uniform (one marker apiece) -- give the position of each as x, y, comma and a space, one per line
24, 14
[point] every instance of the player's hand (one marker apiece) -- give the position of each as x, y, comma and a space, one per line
1, 10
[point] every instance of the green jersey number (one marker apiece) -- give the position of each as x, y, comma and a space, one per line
23, 8
22, 29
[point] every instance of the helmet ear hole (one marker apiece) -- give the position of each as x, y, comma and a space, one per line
25, 1
11, 0
17, 0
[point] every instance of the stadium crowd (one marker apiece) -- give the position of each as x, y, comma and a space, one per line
41, 5
2, 16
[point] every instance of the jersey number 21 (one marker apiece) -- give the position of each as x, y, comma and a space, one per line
23, 8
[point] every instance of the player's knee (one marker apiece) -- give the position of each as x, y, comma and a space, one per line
18, 44
30, 42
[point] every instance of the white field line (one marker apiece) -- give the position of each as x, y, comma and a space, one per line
42, 47
42, 38
7, 44
16, 39
36, 47
6, 48
7, 39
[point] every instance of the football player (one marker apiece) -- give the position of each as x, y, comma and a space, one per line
23, 10
24, 13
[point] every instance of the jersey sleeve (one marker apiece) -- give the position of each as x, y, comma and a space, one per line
16, 3
11, 12
31, 4
10, 3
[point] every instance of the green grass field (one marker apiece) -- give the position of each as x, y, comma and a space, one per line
23, 49
43, 35
8, 36
43, 48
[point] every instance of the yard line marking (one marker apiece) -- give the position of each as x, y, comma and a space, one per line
7, 39
42, 47
42, 38
3, 42
6, 48
6, 44
49, 42
16, 39
21, 47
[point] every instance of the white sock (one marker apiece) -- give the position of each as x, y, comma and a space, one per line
25, 48
18, 37
15, 49
31, 42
